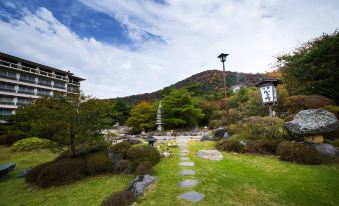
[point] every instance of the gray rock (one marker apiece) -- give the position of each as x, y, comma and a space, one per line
206, 138
312, 121
192, 196
24, 172
188, 183
187, 164
226, 135
184, 159
187, 172
326, 149
210, 155
140, 183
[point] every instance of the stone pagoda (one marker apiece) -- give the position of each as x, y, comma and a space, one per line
159, 118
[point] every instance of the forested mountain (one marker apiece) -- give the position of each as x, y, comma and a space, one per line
207, 84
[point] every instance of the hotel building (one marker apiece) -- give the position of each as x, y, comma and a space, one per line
22, 81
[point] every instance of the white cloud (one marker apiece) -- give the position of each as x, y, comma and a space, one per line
195, 32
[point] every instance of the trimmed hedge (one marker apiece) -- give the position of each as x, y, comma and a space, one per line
140, 154
62, 172
11, 137
124, 166
121, 198
121, 148
262, 146
32, 143
98, 163
301, 153
144, 168
230, 145
33, 175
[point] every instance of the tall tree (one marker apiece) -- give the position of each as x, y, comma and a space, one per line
180, 110
313, 68
70, 121
143, 117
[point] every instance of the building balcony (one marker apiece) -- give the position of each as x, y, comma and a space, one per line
31, 70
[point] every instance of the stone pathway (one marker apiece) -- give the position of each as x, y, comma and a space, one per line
185, 162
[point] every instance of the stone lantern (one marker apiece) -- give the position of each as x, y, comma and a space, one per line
151, 141
312, 124
268, 91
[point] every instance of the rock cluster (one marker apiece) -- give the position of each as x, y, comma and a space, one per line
210, 155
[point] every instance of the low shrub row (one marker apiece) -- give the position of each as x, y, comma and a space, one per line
65, 169
32, 143
121, 198
11, 137
301, 153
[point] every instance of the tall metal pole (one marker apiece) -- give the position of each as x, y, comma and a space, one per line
227, 114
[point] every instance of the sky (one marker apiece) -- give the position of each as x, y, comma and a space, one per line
126, 47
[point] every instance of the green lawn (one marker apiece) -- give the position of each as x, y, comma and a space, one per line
90, 191
237, 180
246, 180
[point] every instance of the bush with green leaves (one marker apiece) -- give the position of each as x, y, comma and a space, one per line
123, 166
301, 153
11, 137
144, 168
231, 145
261, 146
121, 148
61, 172
260, 127
140, 154
32, 143
121, 198
97, 163
33, 175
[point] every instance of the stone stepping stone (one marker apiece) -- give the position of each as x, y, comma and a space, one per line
187, 164
210, 155
188, 183
187, 172
191, 196
184, 150
184, 158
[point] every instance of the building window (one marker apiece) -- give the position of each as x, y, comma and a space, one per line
6, 100
23, 101
7, 87
60, 85
72, 89
26, 90
7, 74
45, 82
27, 78
43, 92
5, 112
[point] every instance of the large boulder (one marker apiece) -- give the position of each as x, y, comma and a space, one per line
206, 137
210, 155
312, 122
140, 184
326, 150
220, 133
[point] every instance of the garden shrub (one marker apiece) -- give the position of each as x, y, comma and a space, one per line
97, 163
301, 153
144, 168
12, 136
218, 134
235, 115
62, 172
334, 134
289, 117
121, 147
261, 146
216, 123
121, 198
124, 166
296, 103
140, 154
231, 145
32, 143
260, 127
33, 175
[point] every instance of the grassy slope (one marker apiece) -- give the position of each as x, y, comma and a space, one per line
90, 191
247, 180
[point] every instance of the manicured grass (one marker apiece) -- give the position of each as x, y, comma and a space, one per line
246, 180
90, 191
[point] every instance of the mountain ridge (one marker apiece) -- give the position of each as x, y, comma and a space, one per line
207, 84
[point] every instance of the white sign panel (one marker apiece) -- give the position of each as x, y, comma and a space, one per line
267, 94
